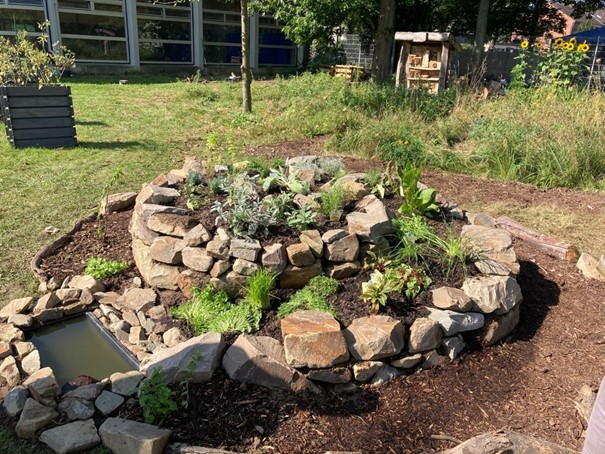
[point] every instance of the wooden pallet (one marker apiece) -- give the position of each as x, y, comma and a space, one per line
36, 117
349, 72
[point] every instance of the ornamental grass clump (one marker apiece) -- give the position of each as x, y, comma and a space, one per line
312, 297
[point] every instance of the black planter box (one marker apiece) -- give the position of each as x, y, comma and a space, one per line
38, 117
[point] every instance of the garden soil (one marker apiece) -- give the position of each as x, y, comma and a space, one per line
527, 384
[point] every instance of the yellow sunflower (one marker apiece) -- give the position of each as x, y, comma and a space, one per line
538, 45
559, 42
569, 46
583, 47
524, 44
573, 41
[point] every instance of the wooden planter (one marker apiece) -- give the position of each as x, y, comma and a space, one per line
38, 117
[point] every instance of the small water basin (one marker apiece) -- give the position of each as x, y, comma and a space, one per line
80, 346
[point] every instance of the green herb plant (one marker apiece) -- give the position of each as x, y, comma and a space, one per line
311, 297
420, 201
156, 398
332, 166
259, 289
302, 218
101, 268
333, 199
193, 190
289, 181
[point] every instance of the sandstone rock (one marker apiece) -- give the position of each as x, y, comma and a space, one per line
197, 236
130, 317
176, 225
75, 308
48, 315
244, 267
454, 322
139, 230
197, 259
17, 306
425, 334
47, 301
137, 299
274, 258
334, 375
220, 267
203, 351
147, 210
452, 299
193, 164
343, 250
223, 235
433, 359
73, 437
190, 279
20, 320
117, 202
232, 283
296, 277
300, 255
122, 436
355, 190
68, 294
181, 448
260, 360
343, 270
167, 249
43, 386
173, 337
245, 249
303, 201
86, 392
384, 375
15, 400
373, 223
155, 274
498, 327
157, 195
452, 346
365, 370
306, 176
313, 339
407, 362
491, 266
175, 177
333, 235
312, 238
126, 383
8, 333
31, 363
108, 402
23, 348
488, 239
587, 265
493, 293
76, 409
218, 248
5, 349
34, 417
86, 283
483, 219
374, 337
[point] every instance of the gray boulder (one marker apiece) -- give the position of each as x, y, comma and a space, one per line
455, 322
34, 417
122, 436
15, 400
71, 438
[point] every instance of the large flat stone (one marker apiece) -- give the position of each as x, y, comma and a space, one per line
313, 339
122, 436
451, 298
452, 322
176, 225
43, 386
204, 352
374, 337
9, 333
17, 306
76, 409
157, 195
108, 402
493, 293
154, 273
137, 299
73, 437
118, 202
371, 224
125, 383
260, 360
86, 283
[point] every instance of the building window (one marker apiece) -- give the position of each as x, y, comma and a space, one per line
165, 34
274, 49
222, 34
13, 20
95, 30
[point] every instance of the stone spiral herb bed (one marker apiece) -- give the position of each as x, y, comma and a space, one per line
174, 252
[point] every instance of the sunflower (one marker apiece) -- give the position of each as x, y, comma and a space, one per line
524, 44
569, 46
538, 45
573, 41
583, 47
559, 42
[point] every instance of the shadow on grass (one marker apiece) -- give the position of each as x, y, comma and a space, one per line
110, 145
91, 123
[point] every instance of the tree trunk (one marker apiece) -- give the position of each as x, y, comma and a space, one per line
246, 73
383, 41
480, 32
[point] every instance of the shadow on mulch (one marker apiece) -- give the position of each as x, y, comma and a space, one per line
539, 296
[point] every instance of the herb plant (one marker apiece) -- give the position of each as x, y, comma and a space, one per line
291, 182
312, 297
259, 288
333, 199
193, 190
101, 268
331, 166
420, 201
156, 398
302, 218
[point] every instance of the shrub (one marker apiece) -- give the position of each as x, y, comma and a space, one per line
211, 311
23, 61
312, 297
101, 268
156, 398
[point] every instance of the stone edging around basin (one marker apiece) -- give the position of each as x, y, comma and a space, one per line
316, 350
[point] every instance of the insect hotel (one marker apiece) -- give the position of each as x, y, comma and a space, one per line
424, 59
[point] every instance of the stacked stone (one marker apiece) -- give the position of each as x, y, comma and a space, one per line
173, 251
37, 405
